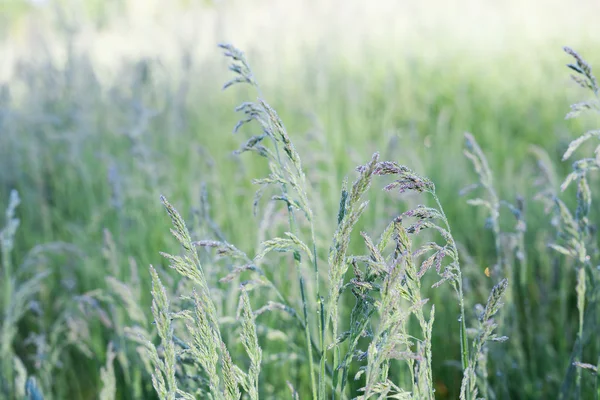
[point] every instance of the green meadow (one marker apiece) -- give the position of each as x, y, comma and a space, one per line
106, 107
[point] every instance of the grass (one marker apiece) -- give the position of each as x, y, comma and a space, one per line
387, 288
299, 279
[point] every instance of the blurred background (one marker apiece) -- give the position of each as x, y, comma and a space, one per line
107, 104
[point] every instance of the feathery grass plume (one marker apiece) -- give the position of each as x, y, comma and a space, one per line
586, 80
351, 208
485, 333
511, 253
350, 211
205, 347
421, 368
163, 379
8, 320
18, 291
410, 181
107, 375
400, 284
397, 280
232, 390
22, 282
119, 308
250, 342
493, 204
474, 153
576, 232
426, 218
364, 286
189, 265
288, 175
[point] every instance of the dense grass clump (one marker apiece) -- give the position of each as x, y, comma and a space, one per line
387, 353
386, 286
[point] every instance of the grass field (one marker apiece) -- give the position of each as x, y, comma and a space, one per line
106, 106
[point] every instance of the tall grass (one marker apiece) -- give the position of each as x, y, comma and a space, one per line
314, 287
23, 284
390, 285
388, 290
